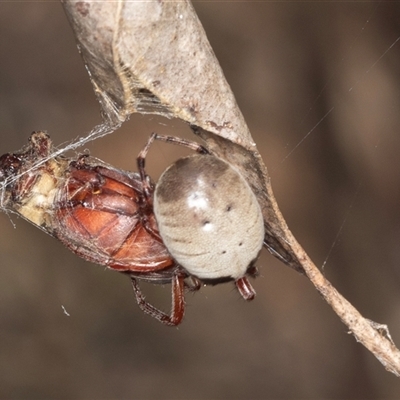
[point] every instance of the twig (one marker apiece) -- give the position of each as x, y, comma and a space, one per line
154, 57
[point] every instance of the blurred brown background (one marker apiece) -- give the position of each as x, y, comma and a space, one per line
289, 64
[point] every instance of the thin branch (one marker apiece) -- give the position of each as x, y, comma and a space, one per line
154, 57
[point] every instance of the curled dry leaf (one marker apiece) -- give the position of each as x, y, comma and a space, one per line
154, 57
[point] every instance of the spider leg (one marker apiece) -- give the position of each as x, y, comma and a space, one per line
151, 230
193, 284
245, 289
178, 302
181, 142
168, 139
141, 161
253, 271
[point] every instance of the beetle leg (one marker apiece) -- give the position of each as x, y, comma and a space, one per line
40, 143
178, 302
245, 289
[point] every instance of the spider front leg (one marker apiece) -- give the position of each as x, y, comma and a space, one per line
178, 302
141, 158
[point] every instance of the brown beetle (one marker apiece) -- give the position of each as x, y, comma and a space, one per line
103, 215
97, 211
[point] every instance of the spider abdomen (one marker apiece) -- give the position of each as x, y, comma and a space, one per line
208, 217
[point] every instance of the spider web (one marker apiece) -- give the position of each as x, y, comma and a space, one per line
356, 84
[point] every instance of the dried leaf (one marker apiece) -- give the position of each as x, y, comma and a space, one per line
154, 57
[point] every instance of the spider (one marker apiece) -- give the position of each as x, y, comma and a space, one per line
107, 216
